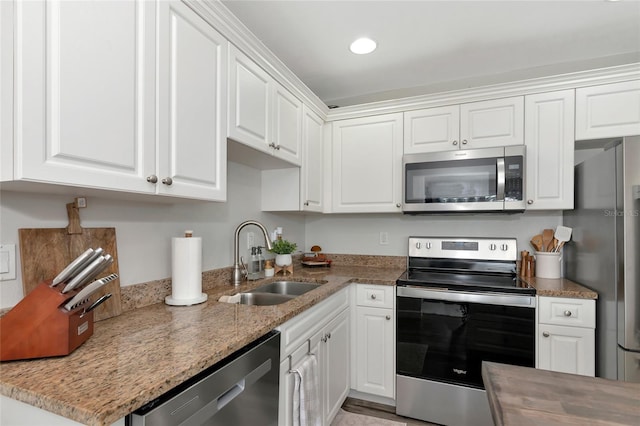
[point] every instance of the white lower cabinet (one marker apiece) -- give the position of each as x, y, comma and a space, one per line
565, 335
373, 341
324, 331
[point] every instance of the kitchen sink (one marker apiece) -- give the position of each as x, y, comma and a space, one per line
293, 288
263, 299
276, 292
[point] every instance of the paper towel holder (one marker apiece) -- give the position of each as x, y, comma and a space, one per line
197, 296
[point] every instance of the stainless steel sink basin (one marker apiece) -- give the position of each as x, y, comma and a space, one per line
292, 288
263, 299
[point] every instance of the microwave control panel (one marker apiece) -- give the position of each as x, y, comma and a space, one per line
514, 178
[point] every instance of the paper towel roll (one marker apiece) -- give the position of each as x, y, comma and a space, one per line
186, 272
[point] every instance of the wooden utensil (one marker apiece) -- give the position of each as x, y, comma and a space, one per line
536, 242
547, 239
44, 252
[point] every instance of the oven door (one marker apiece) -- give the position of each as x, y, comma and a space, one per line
445, 335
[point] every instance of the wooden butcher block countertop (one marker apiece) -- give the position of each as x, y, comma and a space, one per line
523, 396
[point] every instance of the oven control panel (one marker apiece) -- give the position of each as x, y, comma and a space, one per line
464, 248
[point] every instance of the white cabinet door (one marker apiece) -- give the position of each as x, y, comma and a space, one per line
498, 122
549, 138
566, 349
312, 164
336, 365
6, 90
249, 101
432, 130
609, 110
375, 349
287, 125
366, 164
84, 93
191, 104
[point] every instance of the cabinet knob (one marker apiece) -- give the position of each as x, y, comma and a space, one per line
152, 179
455, 142
388, 317
324, 338
272, 145
306, 203
373, 296
529, 201
398, 205
328, 335
167, 181
464, 142
545, 333
567, 313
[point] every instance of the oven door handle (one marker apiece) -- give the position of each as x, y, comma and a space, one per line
459, 296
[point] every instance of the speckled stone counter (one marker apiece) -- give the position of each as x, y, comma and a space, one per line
560, 287
520, 396
139, 355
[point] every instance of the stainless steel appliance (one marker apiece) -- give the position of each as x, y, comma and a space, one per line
240, 390
475, 180
459, 303
604, 252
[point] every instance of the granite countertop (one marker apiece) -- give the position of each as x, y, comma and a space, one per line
527, 396
560, 287
152, 347
139, 355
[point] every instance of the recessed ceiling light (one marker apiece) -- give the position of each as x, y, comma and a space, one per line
362, 46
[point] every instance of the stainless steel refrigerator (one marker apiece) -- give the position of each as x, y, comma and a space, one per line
605, 249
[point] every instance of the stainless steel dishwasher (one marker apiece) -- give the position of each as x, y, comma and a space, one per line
240, 390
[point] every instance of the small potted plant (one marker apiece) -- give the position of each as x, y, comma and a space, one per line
283, 250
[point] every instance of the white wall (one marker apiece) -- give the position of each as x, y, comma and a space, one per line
360, 234
144, 230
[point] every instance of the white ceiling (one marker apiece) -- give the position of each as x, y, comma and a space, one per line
429, 46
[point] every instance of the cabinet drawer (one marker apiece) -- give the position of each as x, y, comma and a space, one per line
380, 296
301, 327
565, 311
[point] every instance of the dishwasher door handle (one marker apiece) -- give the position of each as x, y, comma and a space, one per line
209, 410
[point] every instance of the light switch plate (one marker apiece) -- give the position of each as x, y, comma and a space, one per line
7, 262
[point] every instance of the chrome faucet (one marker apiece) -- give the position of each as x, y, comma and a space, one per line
239, 270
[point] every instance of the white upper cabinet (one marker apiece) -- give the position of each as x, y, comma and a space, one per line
473, 125
86, 98
549, 141
609, 110
262, 113
312, 165
192, 137
366, 164
84, 93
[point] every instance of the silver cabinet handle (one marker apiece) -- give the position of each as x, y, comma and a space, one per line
388, 317
167, 181
464, 142
455, 142
152, 179
373, 296
567, 313
545, 334
529, 201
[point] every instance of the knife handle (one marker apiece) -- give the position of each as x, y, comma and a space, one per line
95, 304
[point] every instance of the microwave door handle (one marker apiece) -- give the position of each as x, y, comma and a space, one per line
500, 179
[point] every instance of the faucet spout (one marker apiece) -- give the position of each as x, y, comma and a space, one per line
239, 270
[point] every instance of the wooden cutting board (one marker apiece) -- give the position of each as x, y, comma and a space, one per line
44, 252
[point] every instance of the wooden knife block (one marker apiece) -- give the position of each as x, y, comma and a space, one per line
39, 326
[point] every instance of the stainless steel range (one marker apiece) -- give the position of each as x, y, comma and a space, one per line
459, 303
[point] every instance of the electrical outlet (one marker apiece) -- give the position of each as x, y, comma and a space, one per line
384, 238
251, 240
7, 262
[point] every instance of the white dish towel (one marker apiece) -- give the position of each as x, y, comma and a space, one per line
306, 399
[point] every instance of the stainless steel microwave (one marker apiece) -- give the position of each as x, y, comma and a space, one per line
475, 180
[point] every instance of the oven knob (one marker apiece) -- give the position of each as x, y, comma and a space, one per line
492, 247
418, 246
428, 246
504, 247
